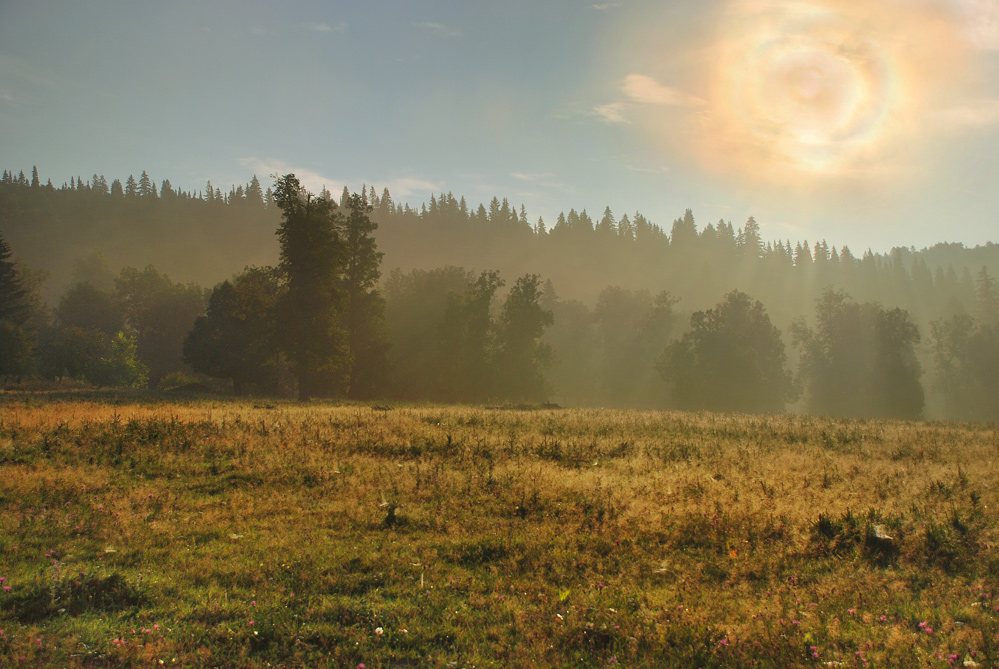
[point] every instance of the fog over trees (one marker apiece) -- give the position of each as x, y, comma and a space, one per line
371, 299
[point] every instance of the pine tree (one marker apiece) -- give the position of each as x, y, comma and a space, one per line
364, 312
13, 294
523, 356
254, 194
312, 260
986, 297
146, 188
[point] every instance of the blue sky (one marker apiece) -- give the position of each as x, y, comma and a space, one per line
871, 128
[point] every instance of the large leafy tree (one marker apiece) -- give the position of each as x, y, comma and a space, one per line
966, 357
732, 359
860, 359
631, 326
415, 306
364, 310
522, 356
466, 342
236, 338
312, 260
160, 313
94, 356
87, 307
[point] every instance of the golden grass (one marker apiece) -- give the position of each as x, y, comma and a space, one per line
490, 537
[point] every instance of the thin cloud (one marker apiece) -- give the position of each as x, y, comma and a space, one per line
315, 181
404, 186
604, 6
531, 176
976, 114
312, 180
9, 97
980, 19
648, 170
612, 113
327, 28
439, 28
642, 88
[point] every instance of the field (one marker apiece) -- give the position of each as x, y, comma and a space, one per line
140, 531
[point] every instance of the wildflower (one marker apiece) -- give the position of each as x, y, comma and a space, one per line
6, 588
851, 611
379, 631
922, 624
883, 618
795, 622
251, 623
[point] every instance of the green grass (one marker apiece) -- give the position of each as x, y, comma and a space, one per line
216, 533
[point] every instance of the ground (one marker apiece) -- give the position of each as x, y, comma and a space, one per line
137, 529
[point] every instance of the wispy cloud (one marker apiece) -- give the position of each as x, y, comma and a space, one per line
976, 114
604, 6
311, 179
532, 176
648, 170
404, 186
980, 20
315, 181
327, 28
439, 28
9, 97
612, 112
645, 89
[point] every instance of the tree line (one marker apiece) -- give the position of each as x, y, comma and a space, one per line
452, 334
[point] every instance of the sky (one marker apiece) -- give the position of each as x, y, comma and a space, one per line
867, 123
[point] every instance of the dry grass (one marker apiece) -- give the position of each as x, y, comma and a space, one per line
242, 535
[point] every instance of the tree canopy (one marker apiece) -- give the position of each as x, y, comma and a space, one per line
732, 359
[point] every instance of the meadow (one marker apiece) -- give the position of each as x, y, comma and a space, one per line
140, 530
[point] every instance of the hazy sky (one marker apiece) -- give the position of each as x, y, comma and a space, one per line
872, 123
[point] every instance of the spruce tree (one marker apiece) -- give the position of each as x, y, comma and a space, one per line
364, 313
13, 295
312, 260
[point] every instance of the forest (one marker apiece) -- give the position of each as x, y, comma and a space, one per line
137, 285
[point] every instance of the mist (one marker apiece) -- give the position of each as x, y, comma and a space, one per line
615, 296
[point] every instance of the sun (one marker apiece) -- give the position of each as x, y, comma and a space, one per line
820, 87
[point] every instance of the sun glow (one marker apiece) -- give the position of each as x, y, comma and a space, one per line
822, 87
